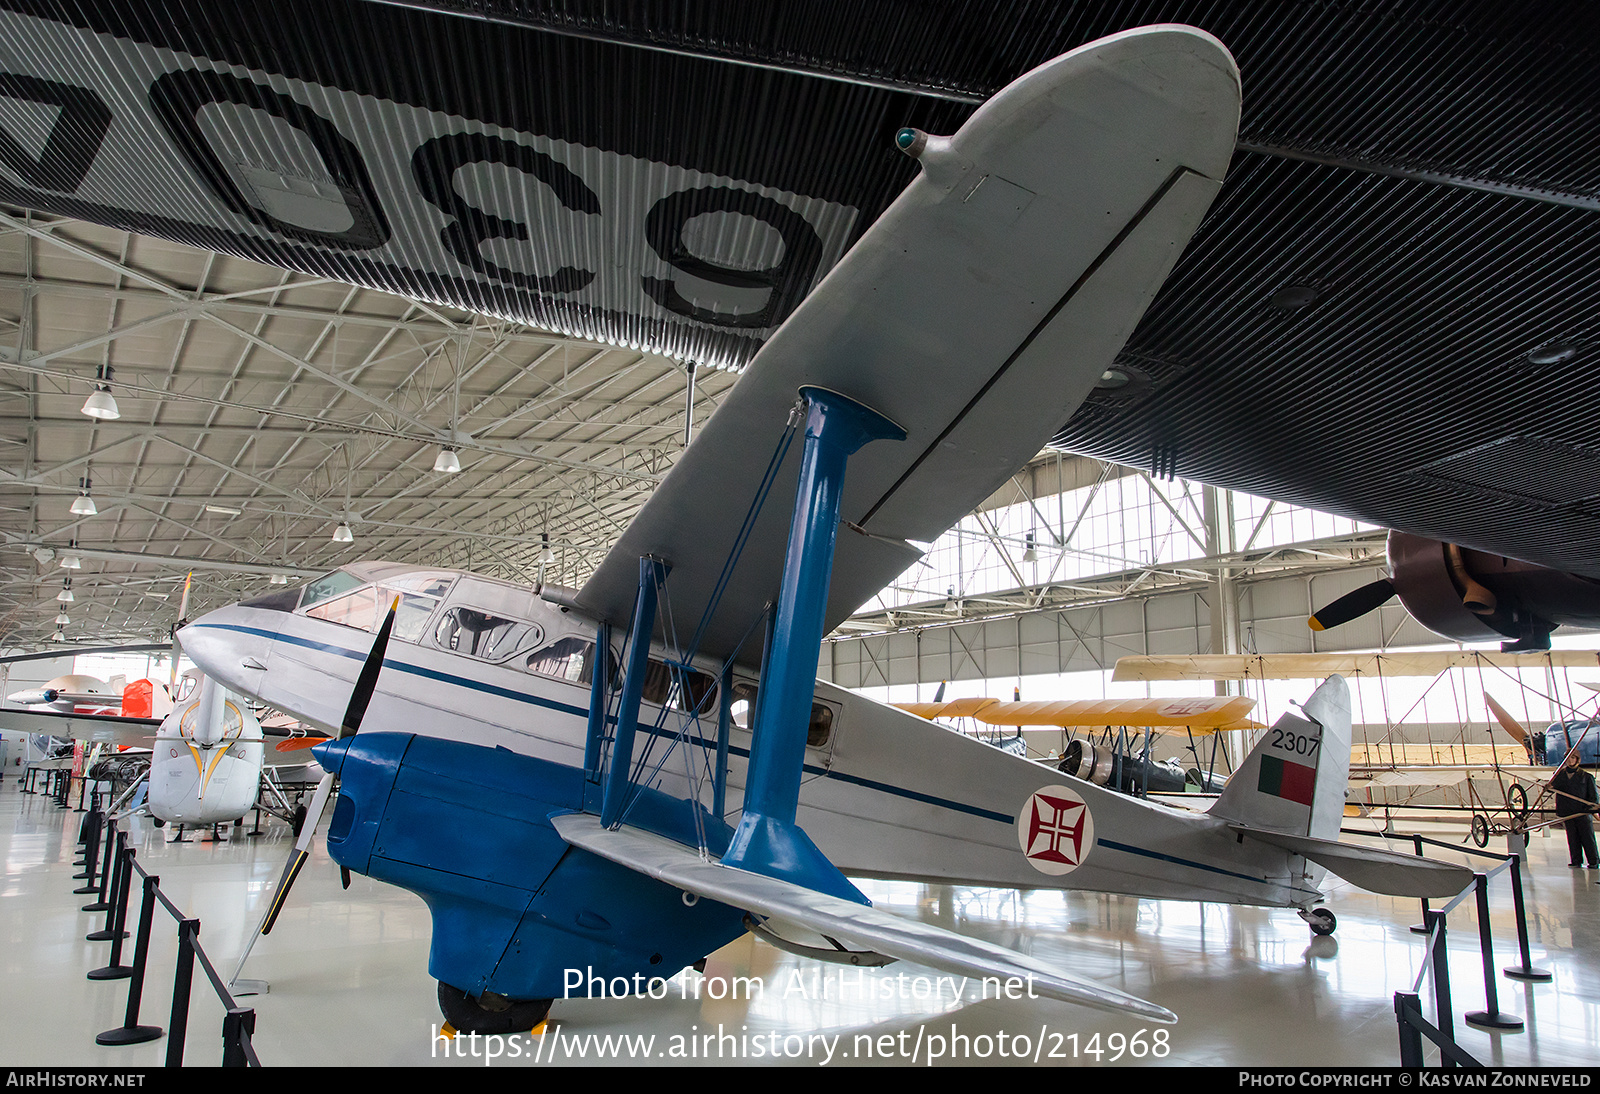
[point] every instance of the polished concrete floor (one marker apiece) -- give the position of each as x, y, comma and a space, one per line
349, 983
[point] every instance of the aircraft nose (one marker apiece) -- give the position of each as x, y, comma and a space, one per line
231, 645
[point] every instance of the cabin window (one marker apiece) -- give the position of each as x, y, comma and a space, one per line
488, 637
570, 659
818, 732
660, 688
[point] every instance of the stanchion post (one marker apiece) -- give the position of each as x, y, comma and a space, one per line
1439, 954
108, 849
1406, 1004
237, 1024
91, 856
182, 980
1525, 971
131, 1032
1490, 1017
115, 970
119, 884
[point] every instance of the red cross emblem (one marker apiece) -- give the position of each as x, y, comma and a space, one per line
1055, 830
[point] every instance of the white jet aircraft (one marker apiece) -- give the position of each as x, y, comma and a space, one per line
558, 813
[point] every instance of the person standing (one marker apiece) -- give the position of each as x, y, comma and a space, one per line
1575, 805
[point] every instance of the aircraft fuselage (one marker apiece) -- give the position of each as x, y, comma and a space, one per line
885, 794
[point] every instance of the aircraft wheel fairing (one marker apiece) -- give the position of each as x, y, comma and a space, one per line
490, 1013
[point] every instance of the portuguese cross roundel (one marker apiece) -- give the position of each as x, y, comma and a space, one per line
1055, 830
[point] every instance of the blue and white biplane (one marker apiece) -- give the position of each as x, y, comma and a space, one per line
618, 778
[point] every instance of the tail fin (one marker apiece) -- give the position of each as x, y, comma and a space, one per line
1294, 780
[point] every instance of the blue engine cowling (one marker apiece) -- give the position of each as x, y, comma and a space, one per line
514, 906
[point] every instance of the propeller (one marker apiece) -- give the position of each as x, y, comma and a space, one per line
1353, 605
938, 696
349, 726
183, 608
1507, 722
366, 682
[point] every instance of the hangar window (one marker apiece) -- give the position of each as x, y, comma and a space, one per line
488, 637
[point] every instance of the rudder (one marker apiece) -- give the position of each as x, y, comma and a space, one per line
1294, 780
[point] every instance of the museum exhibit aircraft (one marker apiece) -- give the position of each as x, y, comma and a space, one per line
1515, 772
74, 693
934, 359
1472, 595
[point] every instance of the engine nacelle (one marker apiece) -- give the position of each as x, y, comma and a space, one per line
1472, 596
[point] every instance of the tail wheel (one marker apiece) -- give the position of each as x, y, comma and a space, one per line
490, 1013
1480, 829
1322, 922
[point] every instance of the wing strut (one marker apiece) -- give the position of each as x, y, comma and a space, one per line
768, 841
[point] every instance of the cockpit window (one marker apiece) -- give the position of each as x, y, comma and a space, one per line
358, 609
329, 586
412, 613
480, 634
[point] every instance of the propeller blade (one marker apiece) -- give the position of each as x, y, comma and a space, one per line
183, 607
295, 744
302, 851
1353, 605
938, 696
1507, 722
367, 682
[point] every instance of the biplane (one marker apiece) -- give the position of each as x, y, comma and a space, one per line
557, 812
1503, 784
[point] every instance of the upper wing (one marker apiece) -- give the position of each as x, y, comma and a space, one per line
1202, 713
1313, 666
855, 924
976, 313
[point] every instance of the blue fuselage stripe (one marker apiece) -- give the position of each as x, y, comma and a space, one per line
583, 712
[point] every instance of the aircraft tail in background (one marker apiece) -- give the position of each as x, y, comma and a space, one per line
1294, 780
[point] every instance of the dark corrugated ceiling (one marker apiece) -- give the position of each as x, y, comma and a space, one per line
1401, 271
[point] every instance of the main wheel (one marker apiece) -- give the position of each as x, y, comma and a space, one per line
1517, 802
490, 1013
1480, 829
1322, 922
297, 819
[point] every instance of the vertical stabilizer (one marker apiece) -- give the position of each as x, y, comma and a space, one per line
1294, 780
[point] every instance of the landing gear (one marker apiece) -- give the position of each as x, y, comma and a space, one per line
1517, 802
490, 1013
298, 820
1320, 920
1480, 829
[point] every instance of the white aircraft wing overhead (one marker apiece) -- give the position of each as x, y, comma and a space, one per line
109, 728
976, 313
853, 924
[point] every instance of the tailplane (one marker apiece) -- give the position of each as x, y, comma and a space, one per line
1294, 780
